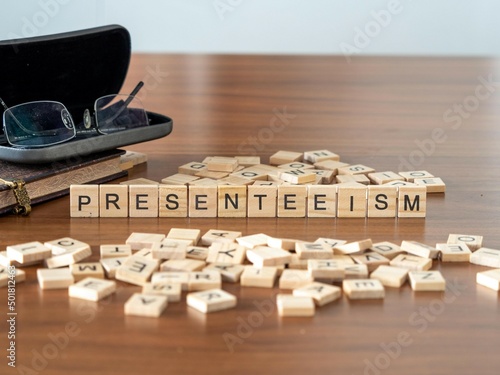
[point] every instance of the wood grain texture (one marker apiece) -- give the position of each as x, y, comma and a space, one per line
375, 111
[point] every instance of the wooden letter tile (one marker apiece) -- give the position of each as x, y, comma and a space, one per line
232, 201
262, 201
113, 201
412, 201
267, 256
313, 250
351, 201
321, 293
170, 249
82, 270
136, 270
179, 179
363, 289
454, 252
355, 271
489, 279
326, 269
387, 249
139, 241
92, 289
427, 281
297, 176
222, 164
419, 249
67, 251
203, 201
294, 306
412, 262
216, 235
486, 257
353, 247
212, 300
230, 273
356, 169
320, 155
253, 240
412, 175
284, 157
380, 178
28, 252
474, 242
231, 253
204, 280
433, 185
259, 277
110, 265
382, 201
182, 265
371, 259
390, 276
291, 279
146, 305
170, 290
292, 201
181, 278
192, 168
143, 200
54, 278
322, 201
173, 201
84, 200
193, 235
115, 251
197, 252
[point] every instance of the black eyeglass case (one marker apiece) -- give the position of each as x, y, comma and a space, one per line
75, 69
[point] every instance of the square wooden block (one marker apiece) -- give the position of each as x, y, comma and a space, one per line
173, 201
322, 201
179, 179
353, 247
489, 279
321, 293
60, 278
92, 289
136, 270
67, 251
81, 271
284, 157
253, 240
356, 169
351, 201
331, 242
454, 252
419, 249
325, 269
411, 262
170, 249
486, 257
202, 201
146, 305
382, 201
170, 290
363, 289
313, 250
204, 280
113, 200
193, 235
387, 249
390, 276
292, 201
297, 176
182, 265
355, 271
181, 278
259, 277
211, 300
267, 256
231, 253
192, 168
380, 178
291, 279
197, 252
216, 235
84, 200
474, 242
410, 176
115, 251
143, 200
222, 164
248, 161
412, 201
427, 281
230, 273
330, 165
110, 265
28, 252
139, 241
320, 155
433, 185
295, 306
371, 259
232, 201
262, 201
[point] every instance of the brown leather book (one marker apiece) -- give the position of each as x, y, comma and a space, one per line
48, 181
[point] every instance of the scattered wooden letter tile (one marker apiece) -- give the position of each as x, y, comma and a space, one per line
283, 157
179, 179
292, 201
204, 280
197, 252
474, 242
320, 155
230, 273
253, 240
412, 175
59, 278
412, 201
92, 289
356, 169
253, 174
204, 182
136, 270
182, 265
147, 254
327, 177
135, 157
486, 257
282, 243
261, 256
29, 252
113, 200
262, 201
294, 306
363, 289
400, 183
382, 201
387, 249
433, 185
361, 179
192, 168
181, 278
380, 178
222, 164
247, 161
353, 247
295, 165
110, 265
325, 269
232, 201
173, 201
6, 275
291, 279
297, 176
371, 259
351, 201
313, 250
454, 252
412, 262
489, 279
84, 200
170, 290
202, 201
115, 251
297, 264
216, 235
390, 276
139, 241
427, 281
231, 253
355, 271
184, 234
322, 201
330, 165
212, 300
419, 249
67, 251
330, 242
321, 293
259, 277
5, 261
170, 249
143, 201
139, 181
82, 270
146, 305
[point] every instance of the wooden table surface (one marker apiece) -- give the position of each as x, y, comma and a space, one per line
437, 114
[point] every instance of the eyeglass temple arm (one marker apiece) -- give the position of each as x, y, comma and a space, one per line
133, 93
5, 108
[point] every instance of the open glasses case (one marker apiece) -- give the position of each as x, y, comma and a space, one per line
75, 69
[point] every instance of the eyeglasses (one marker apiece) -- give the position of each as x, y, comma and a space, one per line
46, 123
